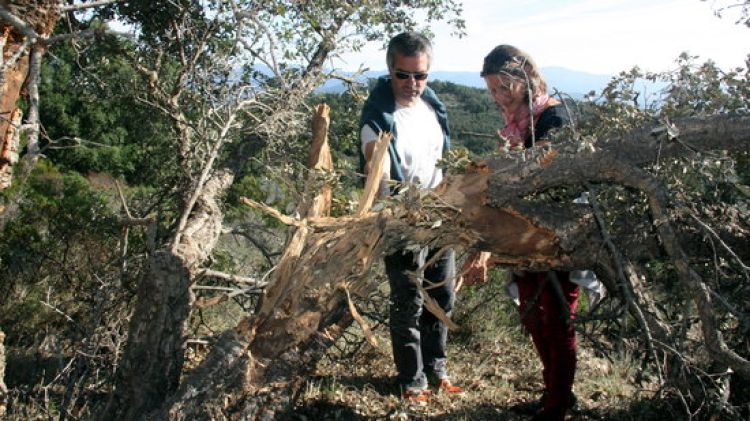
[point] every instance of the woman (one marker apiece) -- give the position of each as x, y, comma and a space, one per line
518, 88
548, 300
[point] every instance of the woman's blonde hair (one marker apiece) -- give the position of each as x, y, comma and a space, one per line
509, 60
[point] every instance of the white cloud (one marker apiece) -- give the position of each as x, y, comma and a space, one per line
598, 36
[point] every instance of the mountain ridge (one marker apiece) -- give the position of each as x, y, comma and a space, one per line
575, 83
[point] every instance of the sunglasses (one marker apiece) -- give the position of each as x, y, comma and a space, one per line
406, 75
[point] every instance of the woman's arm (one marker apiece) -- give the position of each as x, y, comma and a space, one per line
474, 270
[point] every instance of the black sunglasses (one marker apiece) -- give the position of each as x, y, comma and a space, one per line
406, 75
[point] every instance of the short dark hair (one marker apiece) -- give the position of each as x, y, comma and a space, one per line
409, 44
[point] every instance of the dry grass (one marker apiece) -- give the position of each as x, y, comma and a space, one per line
491, 357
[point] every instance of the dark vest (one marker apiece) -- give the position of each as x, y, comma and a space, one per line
378, 114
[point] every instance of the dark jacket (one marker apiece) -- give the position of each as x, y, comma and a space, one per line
378, 114
551, 118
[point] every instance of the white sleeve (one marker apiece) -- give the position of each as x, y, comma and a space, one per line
367, 135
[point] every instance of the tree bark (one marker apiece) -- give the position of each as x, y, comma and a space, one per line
37, 20
255, 375
3, 388
154, 354
138, 393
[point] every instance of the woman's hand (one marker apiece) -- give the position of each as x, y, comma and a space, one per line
509, 143
474, 270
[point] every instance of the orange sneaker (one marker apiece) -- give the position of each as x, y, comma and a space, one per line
417, 396
446, 386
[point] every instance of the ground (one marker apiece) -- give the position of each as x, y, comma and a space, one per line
491, 357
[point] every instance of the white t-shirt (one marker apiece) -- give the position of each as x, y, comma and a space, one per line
419, 144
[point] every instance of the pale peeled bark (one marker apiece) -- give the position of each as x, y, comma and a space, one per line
34, 21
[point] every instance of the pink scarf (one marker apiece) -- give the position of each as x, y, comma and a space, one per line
517, 128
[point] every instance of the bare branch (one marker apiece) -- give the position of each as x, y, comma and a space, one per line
477, 134
77, 142
708, 229
418, 278
14, 58
129, 220
360, 320
349, 80
32, 120
87, 33
658, 201
274, 65
57, 310
268, 255
625, 285
232, 278
207, 168
122, 199
133, 222
89, 5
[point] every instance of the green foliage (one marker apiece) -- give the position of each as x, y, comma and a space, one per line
705, 89
474, 118
156, 112
708, 199
59, 250
261, 189
63, 235
93, 119
690, 90
155, 19
486, 311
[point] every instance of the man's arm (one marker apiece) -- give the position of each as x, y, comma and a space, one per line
369, 149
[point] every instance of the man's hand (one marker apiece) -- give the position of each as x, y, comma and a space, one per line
474, 270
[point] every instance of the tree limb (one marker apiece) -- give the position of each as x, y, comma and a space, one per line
18, 23
89, 5
210, 273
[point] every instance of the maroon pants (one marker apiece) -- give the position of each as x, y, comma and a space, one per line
545, 313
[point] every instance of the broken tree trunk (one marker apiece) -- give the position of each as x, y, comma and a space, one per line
255, 374
152, 362
251, 371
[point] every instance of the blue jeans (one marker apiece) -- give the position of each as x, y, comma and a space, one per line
418, 337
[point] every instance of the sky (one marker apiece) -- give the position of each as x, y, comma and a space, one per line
595, 36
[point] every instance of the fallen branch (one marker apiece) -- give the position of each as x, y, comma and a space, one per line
745, 268
209, 273
359, 319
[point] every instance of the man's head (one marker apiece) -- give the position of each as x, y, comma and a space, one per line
408, 57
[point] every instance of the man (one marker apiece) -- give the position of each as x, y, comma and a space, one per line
403, 105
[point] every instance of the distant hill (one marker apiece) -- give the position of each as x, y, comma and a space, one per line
573, 82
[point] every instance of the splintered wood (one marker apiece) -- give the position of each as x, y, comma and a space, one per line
372, 186
320, 160
321, 255
325, 253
